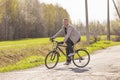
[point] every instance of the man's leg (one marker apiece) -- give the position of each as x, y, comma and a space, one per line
72, 53
69, 49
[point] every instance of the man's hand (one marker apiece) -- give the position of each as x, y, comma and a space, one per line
51, 38
61, 42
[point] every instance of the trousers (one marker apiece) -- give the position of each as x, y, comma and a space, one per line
69, 49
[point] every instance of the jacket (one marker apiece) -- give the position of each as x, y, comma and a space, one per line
72, 33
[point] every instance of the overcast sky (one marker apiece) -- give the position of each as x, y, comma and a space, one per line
76, 9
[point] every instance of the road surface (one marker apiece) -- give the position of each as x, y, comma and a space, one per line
104, 65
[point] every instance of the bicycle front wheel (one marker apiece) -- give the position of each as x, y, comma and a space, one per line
51, 59
81, 58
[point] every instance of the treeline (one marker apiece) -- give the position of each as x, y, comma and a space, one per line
29, 19
98, 29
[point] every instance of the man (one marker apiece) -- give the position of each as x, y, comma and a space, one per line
72, 36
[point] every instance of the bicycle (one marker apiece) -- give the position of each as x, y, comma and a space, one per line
81, 58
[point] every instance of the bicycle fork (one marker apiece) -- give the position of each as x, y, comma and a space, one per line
54, 54
80, 58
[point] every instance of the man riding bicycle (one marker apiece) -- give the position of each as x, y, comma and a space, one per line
72, 36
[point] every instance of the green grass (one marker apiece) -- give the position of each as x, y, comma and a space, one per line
29, 62
23, 54
101, 45
24, 64
23, 43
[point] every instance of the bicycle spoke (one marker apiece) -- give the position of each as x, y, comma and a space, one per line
52, 56
51, 60
81, 58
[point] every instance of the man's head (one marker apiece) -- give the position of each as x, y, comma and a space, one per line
65, 22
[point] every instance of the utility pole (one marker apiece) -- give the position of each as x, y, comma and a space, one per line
108, 21
87, 23
116, 8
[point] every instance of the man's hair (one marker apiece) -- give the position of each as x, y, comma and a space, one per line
66, 19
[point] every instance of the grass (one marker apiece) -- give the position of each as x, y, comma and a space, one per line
101, 45
23, 43
23, 54
12, 52
28, 62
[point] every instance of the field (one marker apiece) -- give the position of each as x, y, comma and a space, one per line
27, 53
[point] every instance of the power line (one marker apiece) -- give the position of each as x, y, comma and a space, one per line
116, 8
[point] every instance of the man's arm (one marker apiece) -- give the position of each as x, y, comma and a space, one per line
58, 33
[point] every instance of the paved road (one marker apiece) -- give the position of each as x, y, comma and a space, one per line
104, 65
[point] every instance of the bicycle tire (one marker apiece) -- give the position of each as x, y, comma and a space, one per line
79, 56
55, 56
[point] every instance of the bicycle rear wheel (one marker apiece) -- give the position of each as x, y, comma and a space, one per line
51, 59
81, 58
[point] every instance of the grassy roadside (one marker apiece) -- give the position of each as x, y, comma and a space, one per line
22, 54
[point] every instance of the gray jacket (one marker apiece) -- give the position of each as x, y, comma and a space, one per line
72, 33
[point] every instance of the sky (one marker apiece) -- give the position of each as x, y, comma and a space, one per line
76, 8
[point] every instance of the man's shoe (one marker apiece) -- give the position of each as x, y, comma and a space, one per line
67, 63
71, 54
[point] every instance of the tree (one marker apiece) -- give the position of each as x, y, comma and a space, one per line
8, 18
29, 19
52, 17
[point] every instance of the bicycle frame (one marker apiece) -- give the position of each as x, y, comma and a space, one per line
57, 48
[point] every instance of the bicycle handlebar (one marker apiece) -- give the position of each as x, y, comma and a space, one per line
52, 40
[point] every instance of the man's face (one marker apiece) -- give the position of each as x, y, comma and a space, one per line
65, 23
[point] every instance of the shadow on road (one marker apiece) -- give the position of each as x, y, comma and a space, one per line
79, 70
76, 70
